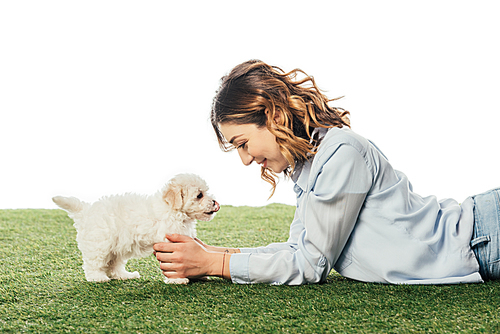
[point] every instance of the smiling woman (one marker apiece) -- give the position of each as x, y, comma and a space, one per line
354, 212
277, 110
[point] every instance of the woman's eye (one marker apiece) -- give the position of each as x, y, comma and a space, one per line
242, 145
200, 196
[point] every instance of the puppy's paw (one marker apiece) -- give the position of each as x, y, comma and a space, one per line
97, 277
176, 280
133, 275
126, 275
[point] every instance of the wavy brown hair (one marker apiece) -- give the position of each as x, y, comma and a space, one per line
255, 92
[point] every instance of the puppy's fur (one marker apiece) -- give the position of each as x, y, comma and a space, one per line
117, 228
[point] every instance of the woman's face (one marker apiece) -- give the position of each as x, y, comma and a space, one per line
255, 144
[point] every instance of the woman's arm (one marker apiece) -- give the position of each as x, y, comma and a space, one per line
193, 258
328, 212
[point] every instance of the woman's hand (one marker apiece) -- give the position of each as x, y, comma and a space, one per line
185, 257
217, 249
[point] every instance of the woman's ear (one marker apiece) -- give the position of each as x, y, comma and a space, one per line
278, 117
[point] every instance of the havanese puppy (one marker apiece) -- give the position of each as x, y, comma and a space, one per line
120, 227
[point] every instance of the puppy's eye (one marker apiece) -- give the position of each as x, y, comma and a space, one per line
200, 195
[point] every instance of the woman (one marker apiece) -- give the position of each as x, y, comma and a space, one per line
354, 213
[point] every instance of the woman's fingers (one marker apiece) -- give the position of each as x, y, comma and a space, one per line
173, 245
173, 270
169, 266
178, 238
169, 257
167, 247
163, 257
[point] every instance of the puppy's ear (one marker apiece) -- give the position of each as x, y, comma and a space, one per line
172, 195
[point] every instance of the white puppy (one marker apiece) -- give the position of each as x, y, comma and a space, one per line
117, 228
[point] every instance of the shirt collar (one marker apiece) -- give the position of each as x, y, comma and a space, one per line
301, 173
319, 132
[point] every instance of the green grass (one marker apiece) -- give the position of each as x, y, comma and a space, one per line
43, 289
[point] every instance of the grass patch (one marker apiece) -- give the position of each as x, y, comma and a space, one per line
43, 289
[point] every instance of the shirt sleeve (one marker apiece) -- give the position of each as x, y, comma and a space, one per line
326, 215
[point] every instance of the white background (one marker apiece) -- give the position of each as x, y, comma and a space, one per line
104, 97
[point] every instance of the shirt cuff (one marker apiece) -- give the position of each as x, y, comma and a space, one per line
238, 267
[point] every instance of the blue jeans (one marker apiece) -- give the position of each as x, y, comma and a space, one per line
486, 235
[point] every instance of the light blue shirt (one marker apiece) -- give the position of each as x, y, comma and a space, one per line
358, 215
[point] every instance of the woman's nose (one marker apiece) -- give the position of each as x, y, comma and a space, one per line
245, 157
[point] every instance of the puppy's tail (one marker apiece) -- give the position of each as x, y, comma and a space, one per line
70, 204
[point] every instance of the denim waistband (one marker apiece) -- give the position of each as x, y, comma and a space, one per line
485, 240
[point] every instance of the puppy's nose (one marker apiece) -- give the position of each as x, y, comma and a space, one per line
216, 206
